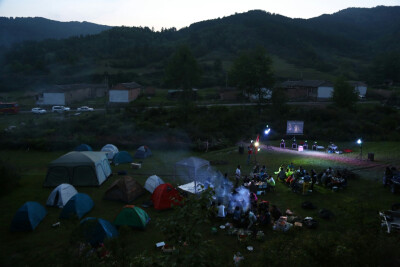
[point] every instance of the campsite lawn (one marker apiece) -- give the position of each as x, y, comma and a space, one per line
355, 208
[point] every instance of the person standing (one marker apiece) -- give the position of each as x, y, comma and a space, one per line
249, 152
237, 175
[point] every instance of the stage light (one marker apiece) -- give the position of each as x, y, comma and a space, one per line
256, 144
267, 130
359, 141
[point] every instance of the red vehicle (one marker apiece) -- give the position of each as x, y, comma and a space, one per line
9, 108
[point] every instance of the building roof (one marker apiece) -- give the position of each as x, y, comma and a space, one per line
72, 87
131, 85
305, 83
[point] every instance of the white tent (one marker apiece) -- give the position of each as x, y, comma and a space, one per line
193, 169
190, 187
152, 182
60, 195
110, 150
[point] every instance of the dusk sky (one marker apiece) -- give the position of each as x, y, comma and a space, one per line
172, 13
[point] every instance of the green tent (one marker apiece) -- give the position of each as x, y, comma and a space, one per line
132, 216
85, 168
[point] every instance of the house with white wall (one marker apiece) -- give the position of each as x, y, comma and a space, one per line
124, 92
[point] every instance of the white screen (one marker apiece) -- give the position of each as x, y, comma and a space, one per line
294, 127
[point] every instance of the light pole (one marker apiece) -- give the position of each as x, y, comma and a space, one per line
266, 133
359, 142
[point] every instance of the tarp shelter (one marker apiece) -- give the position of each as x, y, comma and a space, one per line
122, 157
192, 169
190, 187
85, 168
164, 196
125, 189
83, 147
60, 195
78, 206
132, 216
152, 182
110, 150
28, 216
96, 230
143, 152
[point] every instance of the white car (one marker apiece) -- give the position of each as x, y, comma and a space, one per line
59, 109
84, 108
38, 111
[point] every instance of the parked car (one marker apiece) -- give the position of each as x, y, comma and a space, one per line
59, 109
38, 111
84, 108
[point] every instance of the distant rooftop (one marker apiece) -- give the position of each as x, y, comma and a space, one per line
305, 83
72, 87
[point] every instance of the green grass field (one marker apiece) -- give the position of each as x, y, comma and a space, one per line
354, 207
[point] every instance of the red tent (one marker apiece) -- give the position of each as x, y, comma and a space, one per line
164, 196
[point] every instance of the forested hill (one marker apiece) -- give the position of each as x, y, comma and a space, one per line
360, 43
13, 30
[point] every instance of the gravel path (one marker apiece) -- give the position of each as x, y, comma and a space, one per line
356, 163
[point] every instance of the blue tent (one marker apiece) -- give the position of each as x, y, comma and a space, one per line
143, 152
122, 157
78, 205
28, 216
83, 147
95, 230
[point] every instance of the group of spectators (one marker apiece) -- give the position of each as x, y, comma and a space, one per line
303, 180
259, 175
259, 213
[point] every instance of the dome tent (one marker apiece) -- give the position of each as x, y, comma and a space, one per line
165, 196
132, 216
110, 150
125, 189
83, 147
194, 170
152, 182
122, 157
96, 230
28, 216
60, 195
78, 205
143, 152
86, 168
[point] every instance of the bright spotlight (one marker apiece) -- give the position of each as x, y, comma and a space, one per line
256, 144
359, 141
267, 130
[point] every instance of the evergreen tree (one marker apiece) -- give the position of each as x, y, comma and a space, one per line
344, 95
182, 71
251, 72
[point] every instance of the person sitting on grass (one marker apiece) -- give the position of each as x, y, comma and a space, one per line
256, 169
306, 184
281, 174
275, 212
252, 219
289, 176
271, 182
237, 214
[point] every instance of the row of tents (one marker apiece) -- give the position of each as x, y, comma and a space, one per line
94, 230
84, 168
112, 151
75, 204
